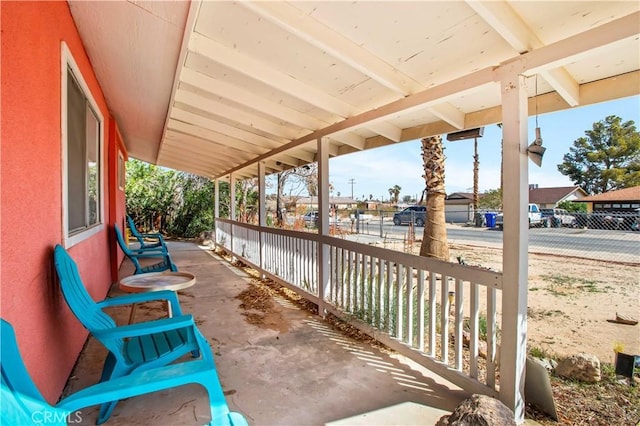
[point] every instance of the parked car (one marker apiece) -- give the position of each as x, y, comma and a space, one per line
418, 213
635, 223
535, 217
310, 218
557, 218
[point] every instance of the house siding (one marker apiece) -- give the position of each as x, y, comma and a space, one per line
49, 336
458, 213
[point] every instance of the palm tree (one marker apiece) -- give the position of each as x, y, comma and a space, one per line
434, 240
394, 193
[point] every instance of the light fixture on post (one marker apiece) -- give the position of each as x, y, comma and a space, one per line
471, 134
535, 151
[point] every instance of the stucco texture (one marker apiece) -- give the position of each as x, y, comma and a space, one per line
49, 336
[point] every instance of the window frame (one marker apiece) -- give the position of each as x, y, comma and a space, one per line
122, 168
68, 63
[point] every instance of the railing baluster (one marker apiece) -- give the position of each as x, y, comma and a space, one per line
380, 294
349, 280
458, 324
444, 319
342, 283
305, 264
332, 275
387, 296
315, 246
279, 255
399, 277
304, 268
308, 262
300, 270
281, 268
271, 252
363, 280
370, 288
432, 314
288, 248
474, 316
420, 297
409, 303
491, 337
356, 284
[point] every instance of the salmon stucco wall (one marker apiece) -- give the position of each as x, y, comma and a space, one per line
49, 336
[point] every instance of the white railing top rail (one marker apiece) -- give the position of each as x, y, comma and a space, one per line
473, 274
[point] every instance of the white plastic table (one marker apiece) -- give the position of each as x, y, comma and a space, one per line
156, 281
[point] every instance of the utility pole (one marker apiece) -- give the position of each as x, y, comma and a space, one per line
476, 168
471, 134
351, 182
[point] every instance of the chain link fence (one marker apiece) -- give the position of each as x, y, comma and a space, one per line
610, 237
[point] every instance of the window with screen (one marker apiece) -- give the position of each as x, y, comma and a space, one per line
82, 147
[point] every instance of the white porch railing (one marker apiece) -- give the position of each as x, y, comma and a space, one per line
396, 297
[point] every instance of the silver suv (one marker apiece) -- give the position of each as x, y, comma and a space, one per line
556, 218
311, 218
418, 213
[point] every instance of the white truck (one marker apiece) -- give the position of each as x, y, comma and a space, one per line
535, 217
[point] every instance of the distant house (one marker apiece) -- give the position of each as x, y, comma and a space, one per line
548, 198
458, 207
371, 204
339, 203
621, 200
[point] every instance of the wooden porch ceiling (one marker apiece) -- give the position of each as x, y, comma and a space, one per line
237, 82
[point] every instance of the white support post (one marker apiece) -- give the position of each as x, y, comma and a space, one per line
216, 198
262, 210
324, 276
216, 206
515, 239
232, 197
232, 208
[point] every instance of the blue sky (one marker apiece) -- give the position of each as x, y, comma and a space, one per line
377, 170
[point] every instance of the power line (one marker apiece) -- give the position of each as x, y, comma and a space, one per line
352, 182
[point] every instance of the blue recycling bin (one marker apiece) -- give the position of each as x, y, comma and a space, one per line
490, 218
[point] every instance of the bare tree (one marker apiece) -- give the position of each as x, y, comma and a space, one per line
298, 180
434, 240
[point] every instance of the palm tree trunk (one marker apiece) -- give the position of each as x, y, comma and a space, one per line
434, 240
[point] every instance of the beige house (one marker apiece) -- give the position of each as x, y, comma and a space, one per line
338, 203
622, 200
548, 198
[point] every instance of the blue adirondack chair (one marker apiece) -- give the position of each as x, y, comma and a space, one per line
23, 404
148, 253
159, 241
134, 347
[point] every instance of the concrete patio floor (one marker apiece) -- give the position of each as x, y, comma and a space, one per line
303, 373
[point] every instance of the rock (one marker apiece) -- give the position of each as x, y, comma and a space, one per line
547, 363
479, 410
207, 237
482, 349
466, 338
583, 367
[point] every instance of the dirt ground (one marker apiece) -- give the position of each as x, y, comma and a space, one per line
570, 301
